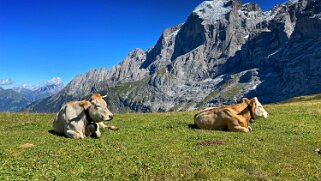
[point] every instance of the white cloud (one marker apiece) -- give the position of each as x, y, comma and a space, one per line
6, 82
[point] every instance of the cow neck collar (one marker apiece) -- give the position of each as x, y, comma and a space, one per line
89, 119
249, 107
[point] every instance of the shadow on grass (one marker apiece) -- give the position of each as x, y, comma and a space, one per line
54, 133
193, 126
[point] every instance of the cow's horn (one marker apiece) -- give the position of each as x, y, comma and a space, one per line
104, 96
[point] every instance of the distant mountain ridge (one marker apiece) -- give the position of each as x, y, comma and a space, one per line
11, 101
16, 98
224, 51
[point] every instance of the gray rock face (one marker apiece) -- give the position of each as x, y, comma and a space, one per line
223, 52
51, 87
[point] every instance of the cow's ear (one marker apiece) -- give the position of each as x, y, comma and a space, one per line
245, 100
253, 106
85, 104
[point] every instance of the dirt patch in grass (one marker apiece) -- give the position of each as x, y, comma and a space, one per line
208, 143
27, 145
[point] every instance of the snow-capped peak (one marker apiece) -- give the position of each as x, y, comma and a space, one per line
212, 10
55, 81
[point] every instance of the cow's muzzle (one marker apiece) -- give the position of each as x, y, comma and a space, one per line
110, 118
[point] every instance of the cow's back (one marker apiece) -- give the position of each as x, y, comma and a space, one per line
59, 121
211, 119
70, 116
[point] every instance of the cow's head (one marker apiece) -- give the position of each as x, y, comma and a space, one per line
259, 110
98, 110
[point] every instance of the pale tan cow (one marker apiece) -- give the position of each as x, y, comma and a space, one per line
80, 119
233, 118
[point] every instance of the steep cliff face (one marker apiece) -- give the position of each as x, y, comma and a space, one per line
224, 51
95, 80
288, 55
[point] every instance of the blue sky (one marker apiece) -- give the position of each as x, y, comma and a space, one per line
41, 39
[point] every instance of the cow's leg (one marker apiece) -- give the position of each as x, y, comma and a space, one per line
74, 134
239, 129
238, 125
102, 125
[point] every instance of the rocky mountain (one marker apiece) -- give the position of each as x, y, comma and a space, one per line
50, 87
15, 99
224, 51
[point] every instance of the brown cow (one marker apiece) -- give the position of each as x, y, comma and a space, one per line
233, 118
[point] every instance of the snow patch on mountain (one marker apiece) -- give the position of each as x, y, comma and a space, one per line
212, 10
33, 92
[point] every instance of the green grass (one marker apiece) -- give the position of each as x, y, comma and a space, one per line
229, 94
161, 146
162, 71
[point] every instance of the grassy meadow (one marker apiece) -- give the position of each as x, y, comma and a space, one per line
162, 146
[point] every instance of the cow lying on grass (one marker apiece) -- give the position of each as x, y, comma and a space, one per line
80, 119
233, 118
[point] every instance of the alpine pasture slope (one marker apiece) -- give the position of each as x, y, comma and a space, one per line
162, 146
